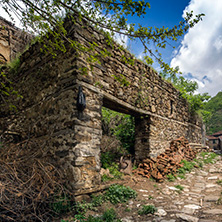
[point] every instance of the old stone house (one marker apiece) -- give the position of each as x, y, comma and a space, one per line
49, 115
215, 141
12, 40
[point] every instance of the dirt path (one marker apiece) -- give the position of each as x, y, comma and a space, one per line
199, 201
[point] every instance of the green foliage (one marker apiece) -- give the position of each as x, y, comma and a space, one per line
47, 19
219, 182
209, 157
213, 108
115, 194
7, 91
107, 159
179, 187
187, 90
108, 162
187, 166
215, 103
52, 21
128, 209
108, 216
14, 65
122, 79
181, 176
171, 177
147, 209
97, 200
61, 204
119, 194
219, 201
120, 125
114, 171
199, 162
150, 197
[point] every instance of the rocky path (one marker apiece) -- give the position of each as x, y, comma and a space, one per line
200, 199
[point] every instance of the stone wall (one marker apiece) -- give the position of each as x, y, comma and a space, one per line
48, 113
12, 40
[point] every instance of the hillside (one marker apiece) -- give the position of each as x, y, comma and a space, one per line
214, 105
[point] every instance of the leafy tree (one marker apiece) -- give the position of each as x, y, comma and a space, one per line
120, 125
187, 90
46, 18
214, 106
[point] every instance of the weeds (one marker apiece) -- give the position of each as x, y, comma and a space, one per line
150, 197
171, 177
147, 209
128, 209
61, 204
108, 216
181, 176
187, 166
14, 65
219, 201
219, 182
97, 200
115, 194
179, 187
107, 160
119, 194
210, 158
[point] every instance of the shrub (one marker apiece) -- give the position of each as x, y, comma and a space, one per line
61, 204
97, 200
108, 216
187, 166
119, 194
179, 187
147, 209
171, 177
107, 159
120, 125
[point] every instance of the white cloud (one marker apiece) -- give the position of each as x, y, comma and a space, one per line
16, 21
121, 39
200, 53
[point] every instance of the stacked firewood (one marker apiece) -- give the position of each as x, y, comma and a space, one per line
167, 162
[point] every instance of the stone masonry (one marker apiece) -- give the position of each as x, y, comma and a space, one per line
48, 112
12, 40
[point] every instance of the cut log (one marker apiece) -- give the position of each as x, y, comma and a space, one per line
167, 162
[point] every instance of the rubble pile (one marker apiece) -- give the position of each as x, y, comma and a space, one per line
167, 162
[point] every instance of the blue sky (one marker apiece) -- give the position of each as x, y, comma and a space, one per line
199, 52
162, 13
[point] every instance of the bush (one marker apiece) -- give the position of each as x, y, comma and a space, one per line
108, 216
147, 209
107, 159
171, 177
120, 125
119, 194
187, 166
61, 204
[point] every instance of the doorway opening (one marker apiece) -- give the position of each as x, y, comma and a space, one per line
121, 127
118, 141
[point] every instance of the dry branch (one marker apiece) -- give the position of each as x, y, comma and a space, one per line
28, 183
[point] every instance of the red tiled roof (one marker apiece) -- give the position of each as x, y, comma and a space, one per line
212, 137
217, 133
